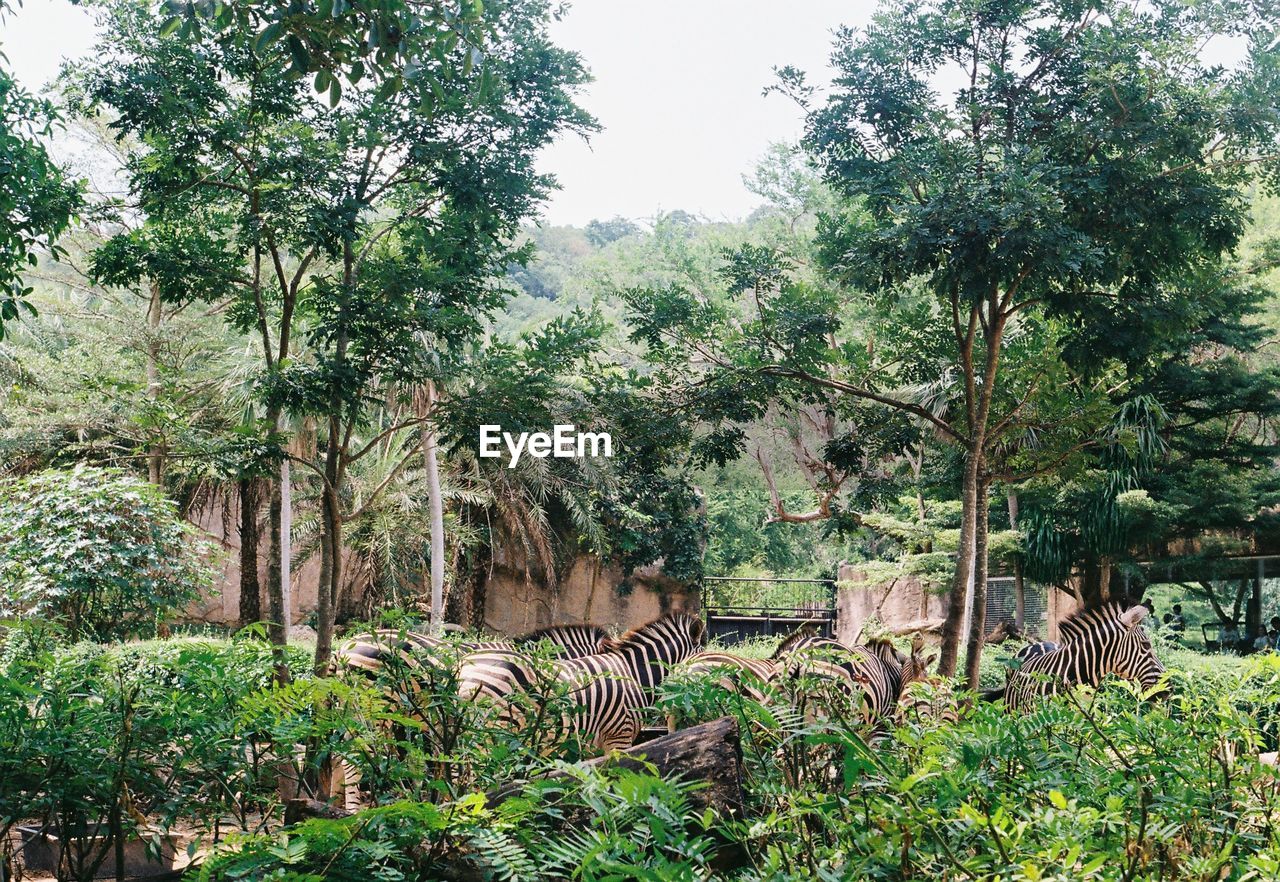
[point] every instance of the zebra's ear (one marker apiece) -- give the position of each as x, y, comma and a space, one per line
1132, 617
929, 660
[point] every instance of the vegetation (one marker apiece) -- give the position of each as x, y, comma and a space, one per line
97, 552
1008, 304
192, 733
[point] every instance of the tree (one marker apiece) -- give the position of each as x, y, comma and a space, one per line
1086, 168
234, 147
97, 551
421, 227
600, 233
37, 200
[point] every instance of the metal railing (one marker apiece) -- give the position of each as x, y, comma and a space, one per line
740, 608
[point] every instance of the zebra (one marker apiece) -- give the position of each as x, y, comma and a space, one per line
369, 651
1096, 642
1031, 650
875, 669
735, 674
608, 688
570, 641
748, 676
924, 696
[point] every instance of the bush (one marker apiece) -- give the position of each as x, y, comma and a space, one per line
102, 553
95, 736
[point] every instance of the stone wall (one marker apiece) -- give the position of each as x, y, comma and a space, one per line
903, 605
587, 592
218, 519
514, 603
900, 605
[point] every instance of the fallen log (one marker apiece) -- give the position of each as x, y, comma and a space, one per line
710, 753
299, 809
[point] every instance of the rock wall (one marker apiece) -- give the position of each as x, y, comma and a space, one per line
514, 603
901, 605
904, 605
587, 592
218, 519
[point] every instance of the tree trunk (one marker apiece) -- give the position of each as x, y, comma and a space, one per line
958, 603
155, 450
978, 607
330, 498
1253, 612
436, 503
331, 550
1019, 578
1095, 582
250, 590
277, 551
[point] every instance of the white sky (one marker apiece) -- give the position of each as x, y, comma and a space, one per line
677, 89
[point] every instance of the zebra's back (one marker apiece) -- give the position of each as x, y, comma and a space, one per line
748, 676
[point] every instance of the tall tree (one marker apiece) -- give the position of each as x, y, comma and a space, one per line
428, 185
231, 144
1086, 164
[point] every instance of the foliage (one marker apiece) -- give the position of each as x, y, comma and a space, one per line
132, 739
101, 553
37, 199
1097, 784
632, 825
393, 42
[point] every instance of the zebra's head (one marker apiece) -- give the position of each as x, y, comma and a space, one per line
1132, 654
916, 667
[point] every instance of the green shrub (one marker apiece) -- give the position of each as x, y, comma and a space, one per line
100, 552
96, 735
609, 824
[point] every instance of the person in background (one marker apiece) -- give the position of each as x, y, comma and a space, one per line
1178, 623
1261, 643
1151, 622
1273, 634
1230, 637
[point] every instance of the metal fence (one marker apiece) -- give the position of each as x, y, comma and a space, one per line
739, 609
1002, 603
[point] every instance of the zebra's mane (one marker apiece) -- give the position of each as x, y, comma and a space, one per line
804, 632
635, 635
1080, 622
595, 633
883, 648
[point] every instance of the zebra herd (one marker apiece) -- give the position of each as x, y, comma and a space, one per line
611, 681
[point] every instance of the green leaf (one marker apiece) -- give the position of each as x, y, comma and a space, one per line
269, 35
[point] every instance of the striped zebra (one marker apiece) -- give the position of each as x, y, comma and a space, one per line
1031, 650
738, 674
735, 674
874, 669
421, 662
1095, 643
370, 651
608, 689
569, 641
